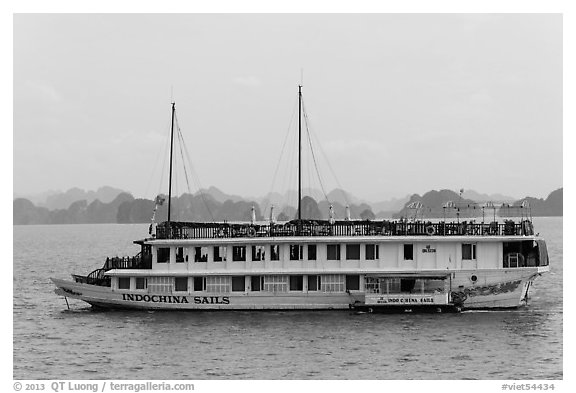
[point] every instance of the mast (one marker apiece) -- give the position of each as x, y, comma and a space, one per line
170, 176
299, 152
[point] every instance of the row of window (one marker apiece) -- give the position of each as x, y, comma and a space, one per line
225, 284
296, 253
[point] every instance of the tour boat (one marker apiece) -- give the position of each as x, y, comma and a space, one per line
303, 264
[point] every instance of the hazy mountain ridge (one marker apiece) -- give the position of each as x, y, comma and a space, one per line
433, 202
213, 204
54, 200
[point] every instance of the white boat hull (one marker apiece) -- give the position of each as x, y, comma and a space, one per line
493, 292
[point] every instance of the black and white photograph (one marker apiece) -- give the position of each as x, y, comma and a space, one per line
287, 196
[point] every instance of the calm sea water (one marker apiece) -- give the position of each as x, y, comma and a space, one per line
51, 342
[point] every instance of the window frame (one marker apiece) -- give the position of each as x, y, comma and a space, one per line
375, 252
300, 252
408, 246
298, 281
471, 253
274, 256
180, 280
261, 253
123, 280
352, 247
314, 253
238, 257
335, 247
236, 280
164, 252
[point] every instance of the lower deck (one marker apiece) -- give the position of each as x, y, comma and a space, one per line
461, 289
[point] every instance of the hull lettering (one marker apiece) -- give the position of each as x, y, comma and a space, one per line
155, 298
211, 300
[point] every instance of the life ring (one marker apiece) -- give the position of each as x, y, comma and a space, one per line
251, 232
430, 230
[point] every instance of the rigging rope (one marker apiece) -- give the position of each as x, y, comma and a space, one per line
306, 122
328, 163
281, 155
194, 174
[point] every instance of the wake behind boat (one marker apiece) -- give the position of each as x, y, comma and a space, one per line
319, 264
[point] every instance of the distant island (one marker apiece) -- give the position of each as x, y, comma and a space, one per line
110, 205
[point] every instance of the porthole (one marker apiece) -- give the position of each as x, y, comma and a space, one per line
474, 278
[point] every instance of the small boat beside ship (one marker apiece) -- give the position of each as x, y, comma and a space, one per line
302, 264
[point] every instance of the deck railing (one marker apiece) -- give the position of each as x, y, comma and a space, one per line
136, 262
184, 230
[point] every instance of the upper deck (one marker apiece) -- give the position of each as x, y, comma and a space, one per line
307, 228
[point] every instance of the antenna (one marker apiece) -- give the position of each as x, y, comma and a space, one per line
301, 76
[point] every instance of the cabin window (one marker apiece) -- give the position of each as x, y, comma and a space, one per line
311, 252
199, 284
296, 283
258, 253
219, 253
179, 254
469, 251
200, 254
352, 251
275, 284
352, 282
274, 252
238, 284
123, 282
160, 284
372, 251
163, 254
314, 283
141, 282
407, 284
525, 253
296, 251
218, 284
239, 253
333, 283
408, 252
372, 285
333, 252
181, 284
255, 283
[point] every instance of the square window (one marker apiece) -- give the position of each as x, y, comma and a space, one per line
296, 252
468, 251
219, 253
123, 282
311, 252
372, 251
181, 284
352, 251
258, 253
313, 283
296, 283
199, 284
255, 283
353, 283
163, 254
333, 252
238, 284
239, 253
200, 254
408, 252
141, 283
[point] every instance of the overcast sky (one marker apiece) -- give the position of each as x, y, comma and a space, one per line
400, 104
